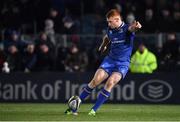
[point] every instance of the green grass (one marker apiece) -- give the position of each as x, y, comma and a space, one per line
108, 112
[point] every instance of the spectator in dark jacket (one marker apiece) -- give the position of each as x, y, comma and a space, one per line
29, 58
61, 57
170, 53
45, 53
149, 21
76, 60
13, 48
2, 56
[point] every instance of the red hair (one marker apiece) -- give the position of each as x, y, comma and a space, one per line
112, 13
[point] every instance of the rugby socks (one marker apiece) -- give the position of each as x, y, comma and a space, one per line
103, 96
86, 91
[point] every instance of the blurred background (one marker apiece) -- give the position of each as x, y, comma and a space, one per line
59, 35
62, 36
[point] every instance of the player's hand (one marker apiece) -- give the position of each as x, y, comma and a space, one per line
135, 26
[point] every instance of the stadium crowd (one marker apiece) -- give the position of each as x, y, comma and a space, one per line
44, 19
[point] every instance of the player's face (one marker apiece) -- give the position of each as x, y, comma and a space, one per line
114, 22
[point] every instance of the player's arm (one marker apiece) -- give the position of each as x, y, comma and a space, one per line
135, 26
104, 44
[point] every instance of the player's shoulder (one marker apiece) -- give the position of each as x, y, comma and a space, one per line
125, 26
126, 30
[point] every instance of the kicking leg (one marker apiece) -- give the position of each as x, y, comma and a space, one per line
105, 92
99, 76
112, 81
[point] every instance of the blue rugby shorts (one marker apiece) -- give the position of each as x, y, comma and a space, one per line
110, 65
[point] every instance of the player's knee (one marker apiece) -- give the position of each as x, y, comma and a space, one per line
110, 84
116, 78
112, 81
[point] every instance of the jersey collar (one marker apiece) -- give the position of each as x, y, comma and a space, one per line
116, 29
120, 26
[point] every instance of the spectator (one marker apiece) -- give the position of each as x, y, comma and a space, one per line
149, 23
56, 17
176, 16
29, 58
13, 48
170, 53
10, 14
130, 18
70, 25
49, 30
53, 24
83, 60
99, 7
2, 56
61, 57
143, 61
165, 21
45, 53
76, 61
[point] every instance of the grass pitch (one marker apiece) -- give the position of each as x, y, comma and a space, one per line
108, 112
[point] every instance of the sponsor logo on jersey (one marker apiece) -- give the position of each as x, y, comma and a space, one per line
117, 41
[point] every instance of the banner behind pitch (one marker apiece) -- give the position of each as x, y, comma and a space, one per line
58, 87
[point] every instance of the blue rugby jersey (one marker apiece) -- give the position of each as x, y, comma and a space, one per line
121, 43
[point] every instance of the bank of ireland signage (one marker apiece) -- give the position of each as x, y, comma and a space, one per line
155, 91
